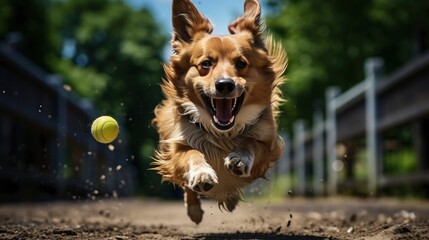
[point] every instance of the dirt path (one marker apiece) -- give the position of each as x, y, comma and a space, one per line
153, 219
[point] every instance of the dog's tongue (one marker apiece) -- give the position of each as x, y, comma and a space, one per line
223, 110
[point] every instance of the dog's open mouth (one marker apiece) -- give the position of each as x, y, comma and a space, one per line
223, 110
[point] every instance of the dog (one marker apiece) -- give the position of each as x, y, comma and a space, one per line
217, 123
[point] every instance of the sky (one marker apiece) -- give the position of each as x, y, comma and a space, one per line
219, 12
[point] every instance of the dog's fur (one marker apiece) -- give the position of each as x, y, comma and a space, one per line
217, 125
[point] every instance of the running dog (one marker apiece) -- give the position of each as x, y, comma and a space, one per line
217, 123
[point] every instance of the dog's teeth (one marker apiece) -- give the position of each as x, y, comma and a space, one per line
231, 120
218, 122
213, 105
234, 102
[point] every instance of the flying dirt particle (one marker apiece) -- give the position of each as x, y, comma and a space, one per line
353, 217
289, 222
337, 166
350, 230
67, 87
111, 147
118, 168
102, 177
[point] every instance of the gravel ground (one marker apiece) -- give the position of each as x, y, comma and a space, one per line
293, 218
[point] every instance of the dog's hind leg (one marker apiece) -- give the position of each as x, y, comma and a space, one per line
193, 205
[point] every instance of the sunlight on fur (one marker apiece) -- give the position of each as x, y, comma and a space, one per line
218, 122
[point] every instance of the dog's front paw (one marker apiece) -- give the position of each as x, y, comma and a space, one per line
239, 162
201, 179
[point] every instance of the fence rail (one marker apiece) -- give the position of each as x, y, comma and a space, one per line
365, 112
45, 136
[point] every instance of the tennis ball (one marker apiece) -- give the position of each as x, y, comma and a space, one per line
105, 129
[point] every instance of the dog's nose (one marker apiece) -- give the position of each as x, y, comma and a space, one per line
225, 86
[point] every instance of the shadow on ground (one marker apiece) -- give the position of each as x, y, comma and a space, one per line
253, 235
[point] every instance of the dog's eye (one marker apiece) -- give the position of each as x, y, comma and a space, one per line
206, 64
240, 64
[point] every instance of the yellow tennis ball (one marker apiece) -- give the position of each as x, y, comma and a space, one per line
105, 129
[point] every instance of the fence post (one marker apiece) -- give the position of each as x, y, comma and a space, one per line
318, 152
373, 67
331, 138
299, 156
285, 159
89, 161
61, 138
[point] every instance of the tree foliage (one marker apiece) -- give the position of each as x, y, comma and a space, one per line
328, 41
27, 25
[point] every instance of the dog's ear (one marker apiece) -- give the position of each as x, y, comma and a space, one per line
250, 21
188, 23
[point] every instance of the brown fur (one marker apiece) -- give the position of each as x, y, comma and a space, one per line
193, 152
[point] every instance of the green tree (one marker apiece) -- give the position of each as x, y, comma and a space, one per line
328, 41
27, 24
116, 61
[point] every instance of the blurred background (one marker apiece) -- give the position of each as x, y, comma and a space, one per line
355, 121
